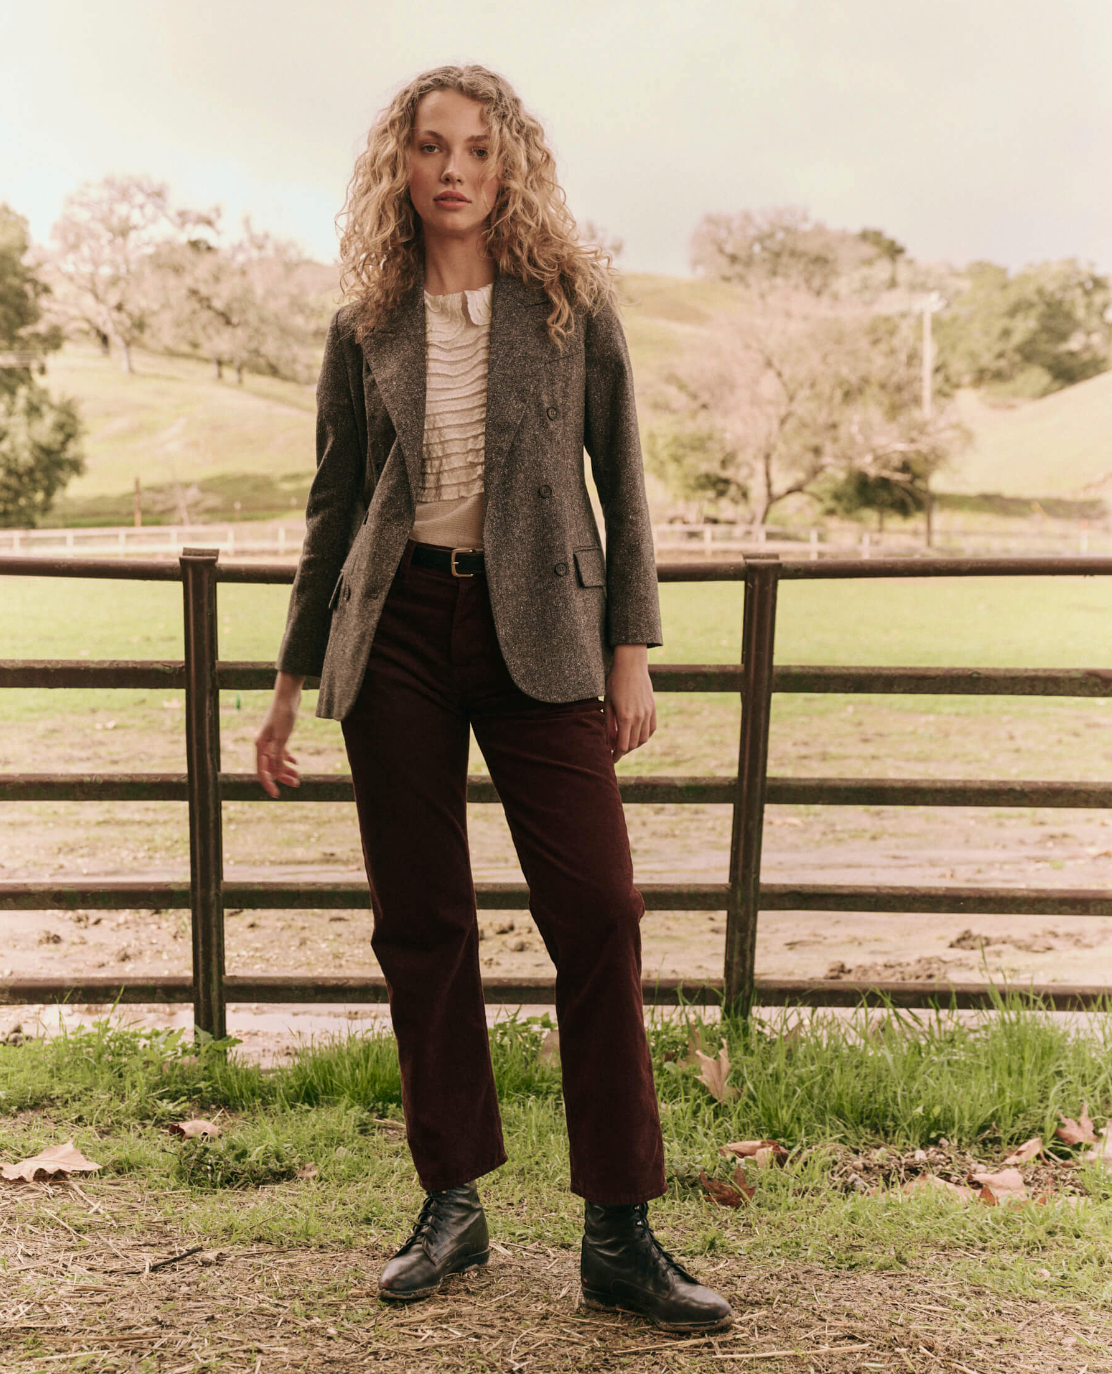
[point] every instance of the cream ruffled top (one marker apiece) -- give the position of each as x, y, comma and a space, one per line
450, 499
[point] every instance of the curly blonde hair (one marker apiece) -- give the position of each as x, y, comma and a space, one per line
530, 233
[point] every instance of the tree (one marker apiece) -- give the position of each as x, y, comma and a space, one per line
245, 303
38, 453
903, 490
104, 240
771, 250
886, 248
38, 436
805, 392
1037, 331
693, 458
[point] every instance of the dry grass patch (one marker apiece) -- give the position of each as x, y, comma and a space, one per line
96, 1300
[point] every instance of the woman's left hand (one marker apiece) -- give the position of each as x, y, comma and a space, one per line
629, 705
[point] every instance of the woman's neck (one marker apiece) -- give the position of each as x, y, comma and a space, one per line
453, 265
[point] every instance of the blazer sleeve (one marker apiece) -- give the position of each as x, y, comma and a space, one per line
613, 442
334, 500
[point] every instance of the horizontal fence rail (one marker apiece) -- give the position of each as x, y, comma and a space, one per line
204, 788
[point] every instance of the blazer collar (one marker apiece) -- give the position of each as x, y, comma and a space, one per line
519, 348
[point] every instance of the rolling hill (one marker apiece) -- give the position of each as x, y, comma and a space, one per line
173, 426
1059, 445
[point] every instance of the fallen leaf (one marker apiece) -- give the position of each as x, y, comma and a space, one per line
58, 1159
761, 1152
1077, 1132
696, 1045
725, 1194
1006, 1185
197, 1126
931, 1183
306, 1171
1026, 1152
1102, 1152
713, 1074
210, 1256
549, 1052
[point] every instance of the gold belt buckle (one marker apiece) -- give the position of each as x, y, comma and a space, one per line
455, 572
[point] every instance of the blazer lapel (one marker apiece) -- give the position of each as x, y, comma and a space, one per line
519, 348
396, 354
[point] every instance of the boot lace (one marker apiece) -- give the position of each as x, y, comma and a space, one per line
641, 1221
426, 1218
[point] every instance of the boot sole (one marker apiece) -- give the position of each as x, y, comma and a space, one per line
599, 1304
416, 1294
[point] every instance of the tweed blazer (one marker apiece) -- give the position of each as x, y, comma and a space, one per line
559, 603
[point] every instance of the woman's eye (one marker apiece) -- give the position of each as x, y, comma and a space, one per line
428, 147
482, 152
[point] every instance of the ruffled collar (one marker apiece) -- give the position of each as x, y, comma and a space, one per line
476, 304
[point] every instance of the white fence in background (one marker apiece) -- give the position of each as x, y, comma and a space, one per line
145, 541
284, 538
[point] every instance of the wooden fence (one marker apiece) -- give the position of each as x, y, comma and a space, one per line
743, 896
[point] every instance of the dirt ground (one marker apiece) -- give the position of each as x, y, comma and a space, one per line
883, 845
848, 845
102, 1303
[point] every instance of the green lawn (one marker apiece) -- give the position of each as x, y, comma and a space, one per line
1022, 622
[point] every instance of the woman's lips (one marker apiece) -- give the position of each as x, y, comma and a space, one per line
451, 200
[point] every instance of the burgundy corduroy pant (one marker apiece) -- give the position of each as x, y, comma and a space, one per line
435, 668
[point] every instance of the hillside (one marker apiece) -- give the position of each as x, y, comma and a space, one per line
174, 427
1059, 445
172, 423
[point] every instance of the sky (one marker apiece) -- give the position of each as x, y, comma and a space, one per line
966, 129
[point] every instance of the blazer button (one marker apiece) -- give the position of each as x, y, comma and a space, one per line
552, 412
544, 492
560, 569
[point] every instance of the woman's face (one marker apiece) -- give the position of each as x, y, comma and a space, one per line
450, 181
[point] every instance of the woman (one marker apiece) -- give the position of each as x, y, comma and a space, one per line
452, 576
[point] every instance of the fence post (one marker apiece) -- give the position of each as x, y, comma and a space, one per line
202, 748
762, 577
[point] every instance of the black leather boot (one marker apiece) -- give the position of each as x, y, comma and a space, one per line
623, 1265
450, 1235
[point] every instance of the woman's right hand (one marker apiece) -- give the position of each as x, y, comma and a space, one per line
273, 761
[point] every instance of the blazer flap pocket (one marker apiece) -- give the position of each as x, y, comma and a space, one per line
590, 567
336, 592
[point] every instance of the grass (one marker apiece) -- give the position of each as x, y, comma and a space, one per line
1054, 446
171, 422
1034, 622
986, 622
293, 1250
907, 1081
835, 1088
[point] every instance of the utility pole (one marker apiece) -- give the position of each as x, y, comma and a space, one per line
932, 303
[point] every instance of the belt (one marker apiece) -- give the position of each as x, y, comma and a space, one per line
458, 562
